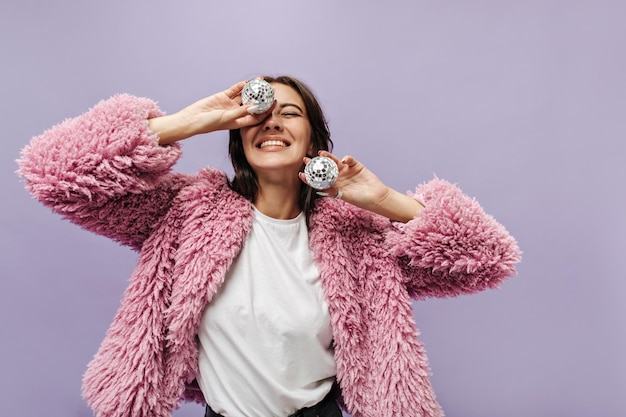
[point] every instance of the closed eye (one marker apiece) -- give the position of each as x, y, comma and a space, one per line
291, 110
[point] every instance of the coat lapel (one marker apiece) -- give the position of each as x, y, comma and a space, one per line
342, 290
217, 222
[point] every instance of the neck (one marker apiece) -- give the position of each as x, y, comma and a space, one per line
279, 200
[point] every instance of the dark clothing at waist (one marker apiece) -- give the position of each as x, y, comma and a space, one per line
328, 407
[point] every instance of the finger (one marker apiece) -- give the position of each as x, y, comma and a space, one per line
238, 112
349, 160
253, 109
331, 156
243, 118
237, 118
250, 110
235, 89
322, 152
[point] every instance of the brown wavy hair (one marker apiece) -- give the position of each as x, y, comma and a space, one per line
245, 181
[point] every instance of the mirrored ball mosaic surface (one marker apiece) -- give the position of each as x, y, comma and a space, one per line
258, 92
321, 172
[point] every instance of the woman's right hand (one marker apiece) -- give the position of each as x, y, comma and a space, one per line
221, 111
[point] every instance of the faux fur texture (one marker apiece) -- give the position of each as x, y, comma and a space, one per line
105, 172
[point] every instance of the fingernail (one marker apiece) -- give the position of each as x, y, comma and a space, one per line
253, 109
322, 194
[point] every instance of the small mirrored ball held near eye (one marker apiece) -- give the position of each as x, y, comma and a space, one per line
321, 172
259, 93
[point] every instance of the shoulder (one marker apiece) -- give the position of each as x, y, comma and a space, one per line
204, 182
332, 216
210, 189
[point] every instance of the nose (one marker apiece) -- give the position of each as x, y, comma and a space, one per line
272, 123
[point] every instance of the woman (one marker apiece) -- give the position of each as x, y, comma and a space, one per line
256, 295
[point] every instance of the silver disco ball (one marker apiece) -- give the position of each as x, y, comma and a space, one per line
321, 172
258, 92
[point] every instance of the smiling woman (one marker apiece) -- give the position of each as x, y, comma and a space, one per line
275, 150
256, 296
296, 112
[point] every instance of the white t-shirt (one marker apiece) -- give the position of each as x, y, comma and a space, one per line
265, 338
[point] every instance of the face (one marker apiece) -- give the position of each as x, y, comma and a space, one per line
281, 141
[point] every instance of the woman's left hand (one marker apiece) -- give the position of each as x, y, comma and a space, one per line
359, 186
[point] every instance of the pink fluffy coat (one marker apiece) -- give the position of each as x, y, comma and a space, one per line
105, 172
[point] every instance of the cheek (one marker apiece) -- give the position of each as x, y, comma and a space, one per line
310, 142
247, 137
246, 133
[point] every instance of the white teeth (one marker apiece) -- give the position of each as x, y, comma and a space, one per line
272, 143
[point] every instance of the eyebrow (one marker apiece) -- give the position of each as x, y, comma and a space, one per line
283, 105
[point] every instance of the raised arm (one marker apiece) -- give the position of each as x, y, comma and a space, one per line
104, 170
108, 170
447, 245
221, 111
360, 187
452, 247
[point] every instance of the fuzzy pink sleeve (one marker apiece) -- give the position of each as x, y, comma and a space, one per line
453, 247
104, 170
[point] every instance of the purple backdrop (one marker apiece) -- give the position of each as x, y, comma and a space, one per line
521, 103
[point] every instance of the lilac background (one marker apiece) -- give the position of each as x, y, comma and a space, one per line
521, 103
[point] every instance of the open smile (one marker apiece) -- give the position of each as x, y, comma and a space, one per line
272, 142
268, 143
